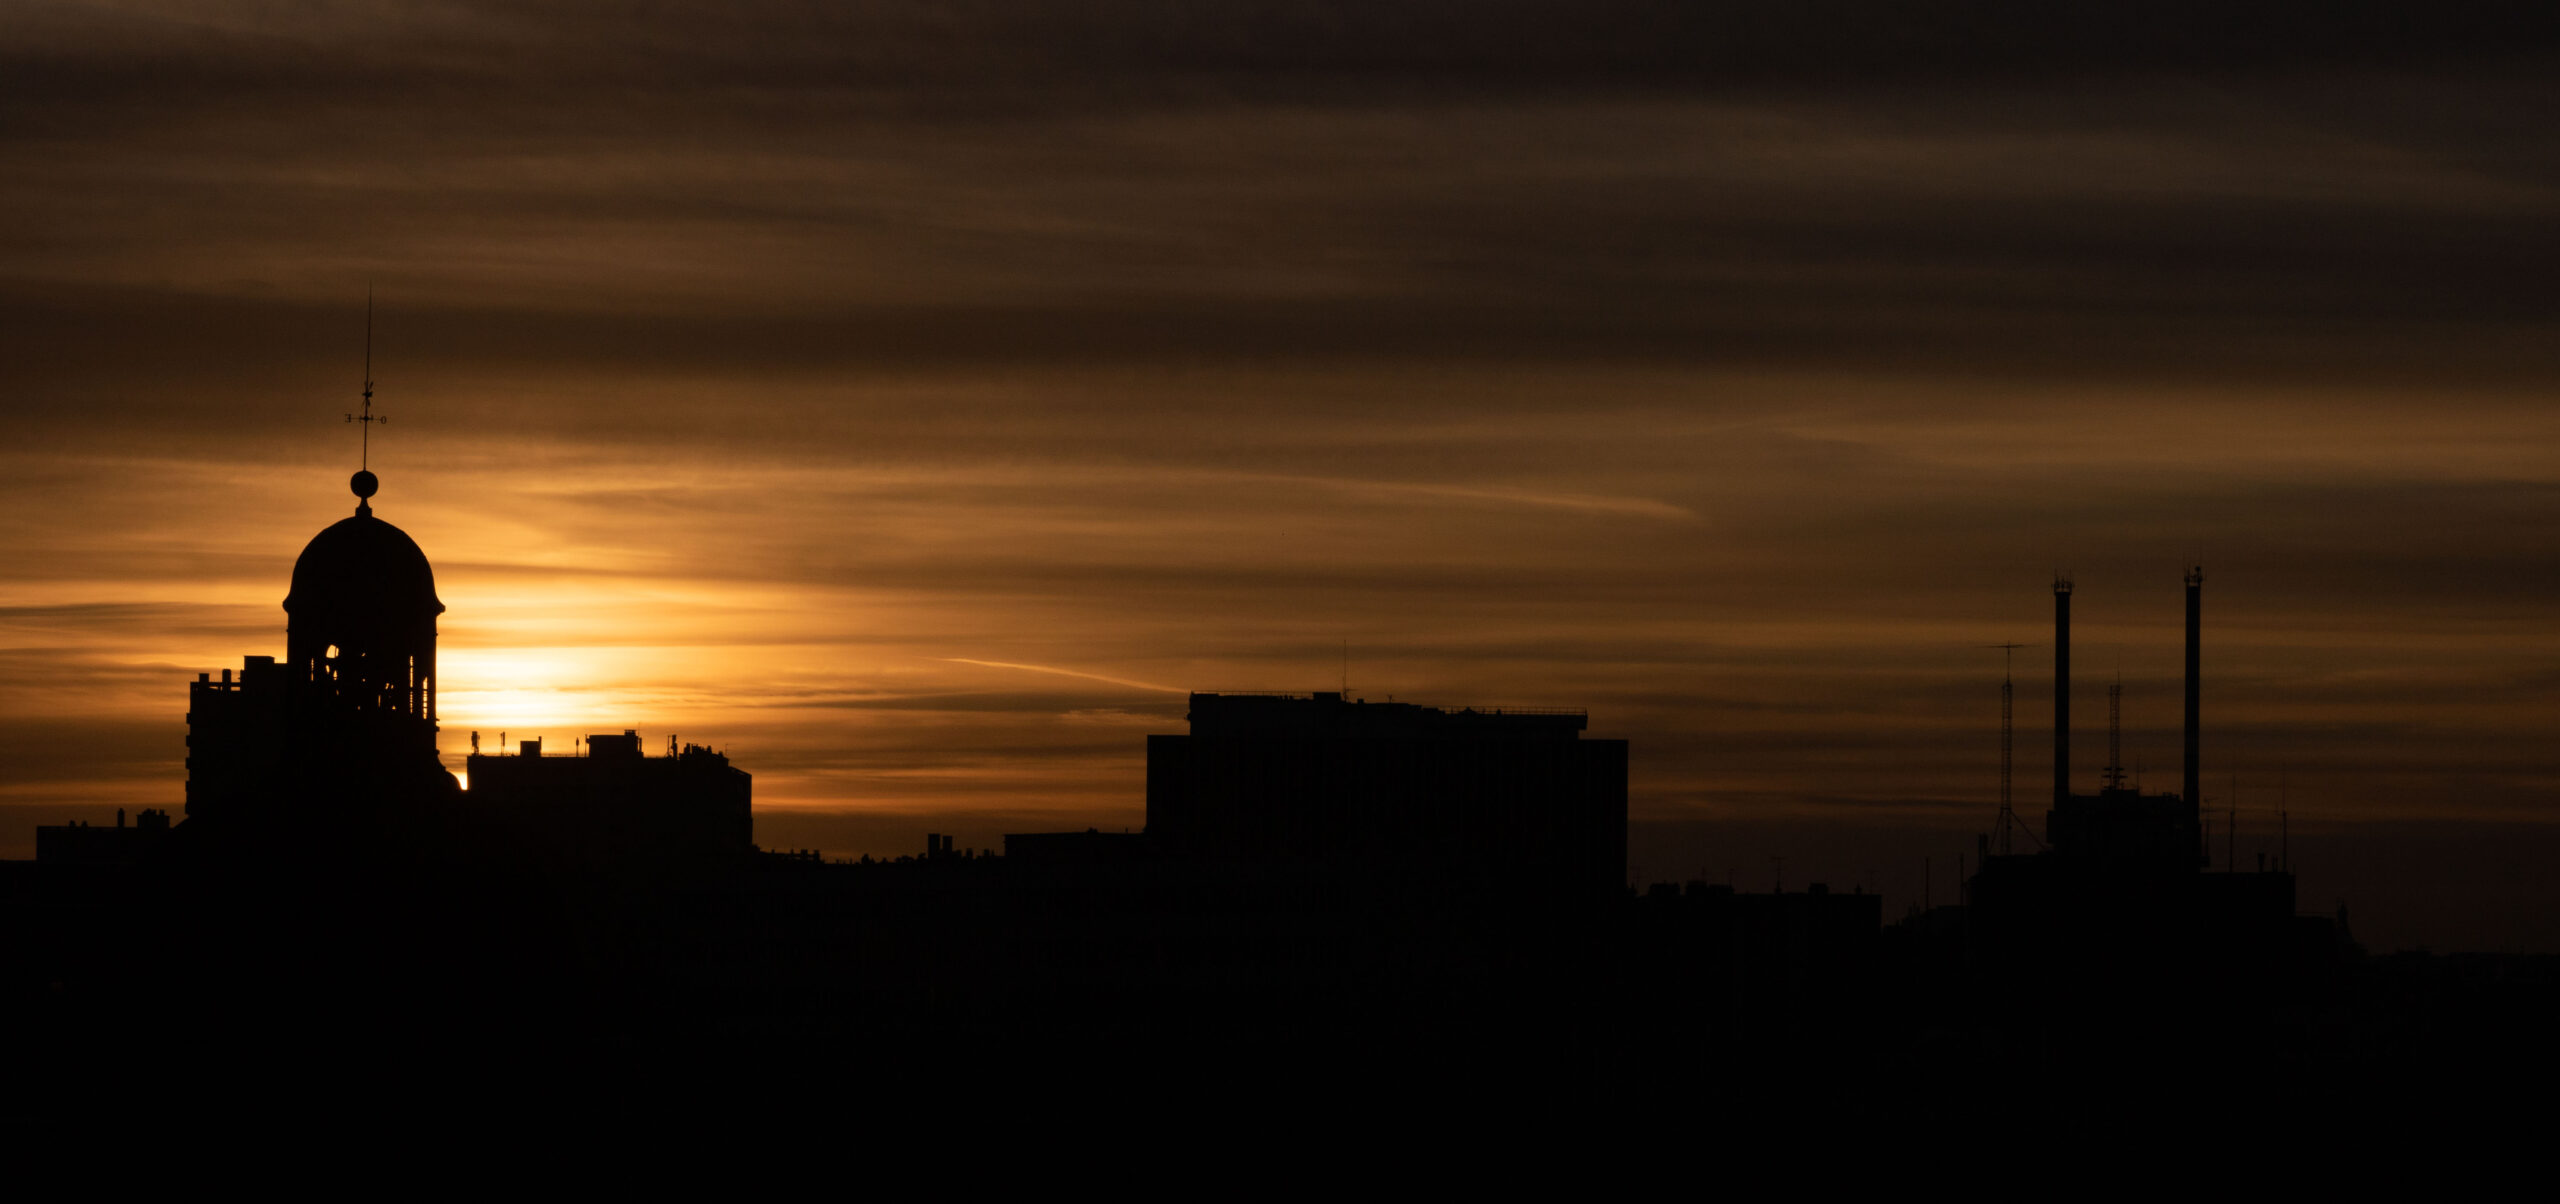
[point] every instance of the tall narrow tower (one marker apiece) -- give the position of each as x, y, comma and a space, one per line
2061, 691
2195, 649
2008, 694
2195, 721
2114, 775
2008, 691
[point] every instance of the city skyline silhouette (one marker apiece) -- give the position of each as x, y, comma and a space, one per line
1321, 881
922, 439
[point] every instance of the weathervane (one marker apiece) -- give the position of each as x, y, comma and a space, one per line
364, 483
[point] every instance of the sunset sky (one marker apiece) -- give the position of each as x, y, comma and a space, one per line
915, 400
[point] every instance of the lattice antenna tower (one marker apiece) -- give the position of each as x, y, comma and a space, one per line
2008, 698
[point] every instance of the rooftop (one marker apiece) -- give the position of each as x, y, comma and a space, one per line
1327, 712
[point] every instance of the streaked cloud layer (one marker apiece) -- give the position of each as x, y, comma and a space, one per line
907, 396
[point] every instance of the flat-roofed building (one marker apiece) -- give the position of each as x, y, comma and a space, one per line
1509, 791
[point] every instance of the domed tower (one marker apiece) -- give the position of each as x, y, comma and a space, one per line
337, 744
360, 625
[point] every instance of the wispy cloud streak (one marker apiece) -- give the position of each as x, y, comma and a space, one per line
1051, 669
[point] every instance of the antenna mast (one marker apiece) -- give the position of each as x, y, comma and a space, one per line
364, 446
2231, 831
2115, 736
2008, 695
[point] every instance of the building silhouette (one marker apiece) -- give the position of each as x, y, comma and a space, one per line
335, 744
143, 841
2120, 899
616, 809
1394, 789
1765, 951
1092, 846
330, 753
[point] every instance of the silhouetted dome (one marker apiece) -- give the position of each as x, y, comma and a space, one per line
363, 568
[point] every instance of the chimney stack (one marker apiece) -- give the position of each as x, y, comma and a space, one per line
2195, 644
2061, 691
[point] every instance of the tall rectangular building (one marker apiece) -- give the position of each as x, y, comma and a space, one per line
1396, 787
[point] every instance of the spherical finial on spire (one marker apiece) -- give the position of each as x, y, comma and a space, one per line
364, 483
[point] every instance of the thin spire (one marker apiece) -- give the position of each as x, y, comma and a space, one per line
364, 483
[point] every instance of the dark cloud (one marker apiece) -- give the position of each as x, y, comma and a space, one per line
996, 53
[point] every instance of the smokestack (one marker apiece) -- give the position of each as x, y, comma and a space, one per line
2195, 645
2061, 691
